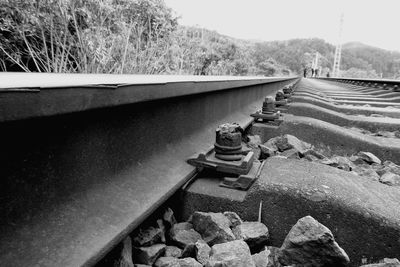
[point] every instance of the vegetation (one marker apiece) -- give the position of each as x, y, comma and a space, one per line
143, 36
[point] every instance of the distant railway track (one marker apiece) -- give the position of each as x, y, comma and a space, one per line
86, 159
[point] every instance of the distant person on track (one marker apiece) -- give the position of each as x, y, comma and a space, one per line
328, 75
305, 72
312, 72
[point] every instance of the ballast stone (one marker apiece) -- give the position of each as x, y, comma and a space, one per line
202, 251
288, 141
369, 157
267, 151
189, 262
261, 259
167, 262
255, 234
174, 262
386, 262
342, 163
213, 227
172, 251
148, 237
148, 255
234, 219
310, 243
366, 171
233, 254
183, 234
169, 218
273, 257
390, 178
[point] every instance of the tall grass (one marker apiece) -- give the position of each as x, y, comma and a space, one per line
107, 36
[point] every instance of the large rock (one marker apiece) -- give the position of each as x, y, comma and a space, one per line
233, 254
386, 262
213, 227
233, 218
172, 251
261, 259
368, 157
390, 178
183, 234
148, 237
255, 234
310, 243
202, 251
148, 255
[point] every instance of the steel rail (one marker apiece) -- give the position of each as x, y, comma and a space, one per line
51, 94
362, 81
83, 166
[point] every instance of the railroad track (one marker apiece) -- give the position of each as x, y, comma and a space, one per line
86, 159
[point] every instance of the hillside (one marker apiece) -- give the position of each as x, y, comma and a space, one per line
361, 56
143, 36
357, 59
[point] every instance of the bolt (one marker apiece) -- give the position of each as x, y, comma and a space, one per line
268, 105
279, 96
228, 142
287, 90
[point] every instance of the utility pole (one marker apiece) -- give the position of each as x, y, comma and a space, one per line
315, 61
338, 50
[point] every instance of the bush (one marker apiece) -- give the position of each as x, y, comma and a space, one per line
109, 36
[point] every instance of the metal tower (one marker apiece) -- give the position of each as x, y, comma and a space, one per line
338, 51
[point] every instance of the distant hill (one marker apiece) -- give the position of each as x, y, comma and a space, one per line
361, 56
220, 54
357, 59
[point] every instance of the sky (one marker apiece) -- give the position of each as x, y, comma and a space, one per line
372, 22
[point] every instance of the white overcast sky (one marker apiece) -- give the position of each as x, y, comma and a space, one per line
373, 22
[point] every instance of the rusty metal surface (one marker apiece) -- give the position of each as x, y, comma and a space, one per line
72, 185
22, 98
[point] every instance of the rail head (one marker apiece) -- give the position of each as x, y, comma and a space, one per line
31, 95
389, 82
